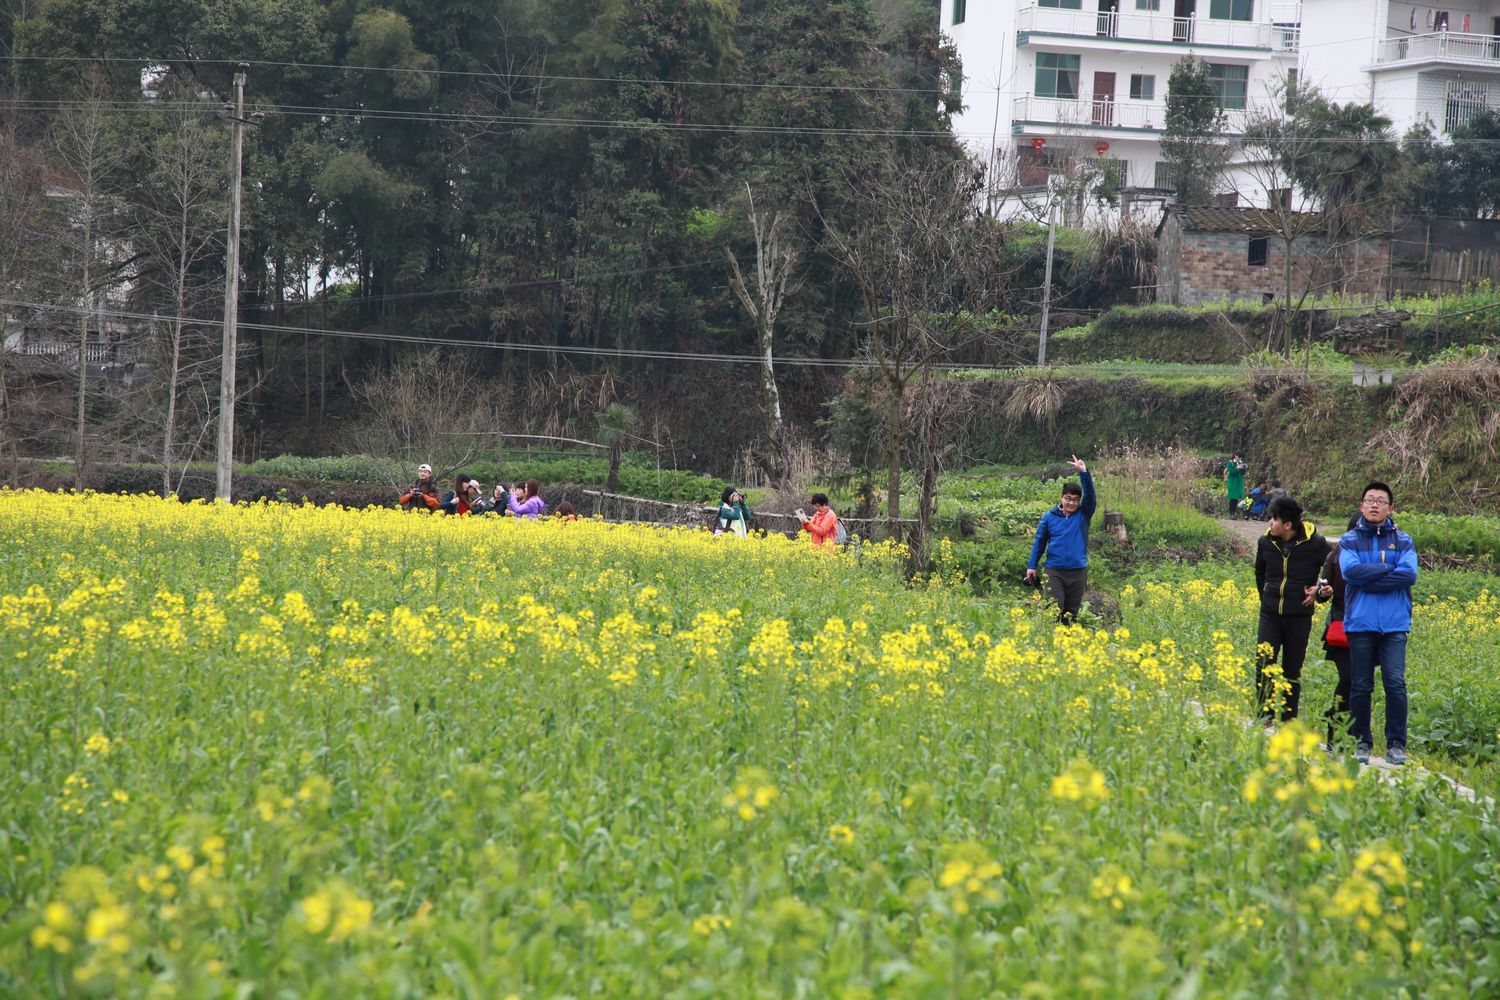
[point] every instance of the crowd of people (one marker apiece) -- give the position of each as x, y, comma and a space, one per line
523, 500
1366, 577
1252, 504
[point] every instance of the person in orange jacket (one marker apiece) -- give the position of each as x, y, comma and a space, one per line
824, 524
423, 493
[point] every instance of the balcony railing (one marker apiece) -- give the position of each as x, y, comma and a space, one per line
1448, 46
1090, 113
1131, 25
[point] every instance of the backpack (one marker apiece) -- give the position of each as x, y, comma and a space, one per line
840, 533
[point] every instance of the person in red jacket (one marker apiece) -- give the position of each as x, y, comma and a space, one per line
460, 501
422, 494
824, 524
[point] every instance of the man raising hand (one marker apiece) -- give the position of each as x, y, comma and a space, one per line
1063, 536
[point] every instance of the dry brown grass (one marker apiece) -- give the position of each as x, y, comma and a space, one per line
1447, 410
1138, 475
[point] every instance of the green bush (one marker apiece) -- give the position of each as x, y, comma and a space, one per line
1170, 528
1473, 538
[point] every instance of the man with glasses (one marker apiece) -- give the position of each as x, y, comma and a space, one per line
1379, 566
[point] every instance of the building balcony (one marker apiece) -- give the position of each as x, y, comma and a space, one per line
1094, 116
1452, 48
1155, 29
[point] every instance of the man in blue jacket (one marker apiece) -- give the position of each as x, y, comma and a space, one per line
1063, 535
1379, 566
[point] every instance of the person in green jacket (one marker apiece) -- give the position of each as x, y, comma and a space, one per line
1234, 480
734, 513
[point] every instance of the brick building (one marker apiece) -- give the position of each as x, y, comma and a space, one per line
1216, 254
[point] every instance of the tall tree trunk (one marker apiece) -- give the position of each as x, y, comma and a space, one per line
80, 449
179, 301
8, 432
897, 443
778, 463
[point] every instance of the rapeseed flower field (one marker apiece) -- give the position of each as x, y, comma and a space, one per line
285, 750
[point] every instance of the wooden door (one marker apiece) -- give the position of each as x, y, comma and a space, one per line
1104, 99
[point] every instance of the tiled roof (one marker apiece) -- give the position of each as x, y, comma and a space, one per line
1250, 221
1255, 222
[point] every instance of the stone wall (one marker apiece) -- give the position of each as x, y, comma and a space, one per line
1212, 267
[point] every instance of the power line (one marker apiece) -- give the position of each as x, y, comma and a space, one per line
492, 120
492, 74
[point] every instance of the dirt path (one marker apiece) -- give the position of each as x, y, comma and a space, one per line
1245, 531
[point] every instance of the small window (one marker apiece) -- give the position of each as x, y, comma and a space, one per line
1142, 87
1257, 256
1057, 75
1230, 84
1279, 198
1231, 10
1163, 177
1063, 4
1148, 4
960, 11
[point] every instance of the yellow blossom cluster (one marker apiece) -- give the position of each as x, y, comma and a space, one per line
1296, 771
751, 794
970, 877
1081, 782
335, 912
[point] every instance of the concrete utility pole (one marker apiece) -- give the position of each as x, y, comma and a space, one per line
1041, 347
231, 296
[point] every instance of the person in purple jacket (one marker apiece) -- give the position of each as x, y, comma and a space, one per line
531, 503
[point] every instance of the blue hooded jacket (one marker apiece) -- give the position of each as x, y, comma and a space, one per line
1065, 539
1379, 565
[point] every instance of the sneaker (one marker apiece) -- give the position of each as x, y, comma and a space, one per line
1395, 755
1362, 754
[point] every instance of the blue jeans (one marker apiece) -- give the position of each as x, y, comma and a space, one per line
1389, 650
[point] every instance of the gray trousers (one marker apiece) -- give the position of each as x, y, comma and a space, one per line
1066, 587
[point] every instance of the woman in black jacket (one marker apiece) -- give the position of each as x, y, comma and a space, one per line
1288, 564
1331, 588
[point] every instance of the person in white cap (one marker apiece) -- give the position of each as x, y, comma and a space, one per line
422, 495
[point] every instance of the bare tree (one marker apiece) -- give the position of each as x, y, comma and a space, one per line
177, 229
925, 262
428, 407
90, 156
776, 261
22, 237
1296, 140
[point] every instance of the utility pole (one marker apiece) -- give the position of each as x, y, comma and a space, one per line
231, 295
1041, 347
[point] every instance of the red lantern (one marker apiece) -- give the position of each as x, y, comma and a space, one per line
1038, 143
1101, 147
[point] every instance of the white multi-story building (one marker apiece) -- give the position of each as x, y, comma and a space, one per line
1417, 63
1048, 80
